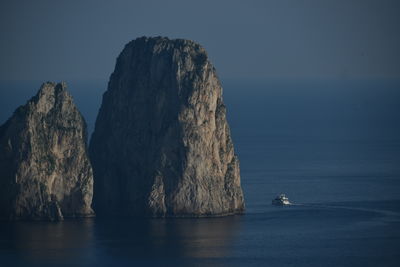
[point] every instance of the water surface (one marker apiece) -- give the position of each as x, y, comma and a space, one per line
333, 148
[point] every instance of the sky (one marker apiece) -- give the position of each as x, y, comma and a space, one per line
246, 40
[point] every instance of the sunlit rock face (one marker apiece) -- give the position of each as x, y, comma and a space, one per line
162, 145
45, 172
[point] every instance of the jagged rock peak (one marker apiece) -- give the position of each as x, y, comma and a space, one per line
159, 41
162, 145
44, 168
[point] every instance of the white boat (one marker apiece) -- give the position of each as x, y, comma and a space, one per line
281, 200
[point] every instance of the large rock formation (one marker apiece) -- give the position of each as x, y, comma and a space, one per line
44, 169
161, 145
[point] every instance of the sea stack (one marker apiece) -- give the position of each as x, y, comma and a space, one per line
162, 146
45, 172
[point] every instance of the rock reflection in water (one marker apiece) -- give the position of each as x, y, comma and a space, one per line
47, 242
168, 238
94, 241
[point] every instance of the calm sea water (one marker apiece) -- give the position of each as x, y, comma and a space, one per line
333, 148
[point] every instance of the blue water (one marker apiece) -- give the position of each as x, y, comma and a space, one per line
333, 148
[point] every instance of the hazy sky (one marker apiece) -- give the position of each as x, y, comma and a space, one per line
258, 40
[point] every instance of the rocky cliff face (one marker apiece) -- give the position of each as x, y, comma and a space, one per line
162, 145
44, 169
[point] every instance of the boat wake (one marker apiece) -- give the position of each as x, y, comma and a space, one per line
392, 215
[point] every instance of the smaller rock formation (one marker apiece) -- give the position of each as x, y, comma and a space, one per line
45, 172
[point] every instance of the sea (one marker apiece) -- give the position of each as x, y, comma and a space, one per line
333, 147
